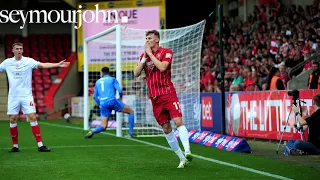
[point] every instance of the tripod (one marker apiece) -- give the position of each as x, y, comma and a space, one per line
299, 128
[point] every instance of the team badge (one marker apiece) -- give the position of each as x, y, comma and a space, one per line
168, 55
150, 65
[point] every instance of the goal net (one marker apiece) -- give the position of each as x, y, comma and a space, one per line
119, 48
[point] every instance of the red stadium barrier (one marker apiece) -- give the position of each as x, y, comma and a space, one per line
264, 114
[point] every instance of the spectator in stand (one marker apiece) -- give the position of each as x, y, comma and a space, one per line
207, 79
262, 67
314, 45
248, 83
258, 81
283, 74
237, 81
274, 81
227, 83
314, 78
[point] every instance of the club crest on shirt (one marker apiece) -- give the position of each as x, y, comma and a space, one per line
150, 65
158, 56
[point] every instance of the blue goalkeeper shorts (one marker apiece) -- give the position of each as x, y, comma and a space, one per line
107, 107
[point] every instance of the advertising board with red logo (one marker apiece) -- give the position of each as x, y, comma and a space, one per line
264, 114
211, 112
207, 118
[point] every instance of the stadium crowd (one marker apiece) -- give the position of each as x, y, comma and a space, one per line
274, 36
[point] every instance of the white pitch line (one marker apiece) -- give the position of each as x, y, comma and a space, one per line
197, 156
84, 146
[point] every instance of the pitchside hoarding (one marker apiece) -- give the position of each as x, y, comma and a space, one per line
211, 112
255, 114
264, 114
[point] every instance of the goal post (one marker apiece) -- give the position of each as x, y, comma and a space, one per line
117, 29
119, 48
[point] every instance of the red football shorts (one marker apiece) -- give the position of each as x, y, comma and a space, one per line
166, 107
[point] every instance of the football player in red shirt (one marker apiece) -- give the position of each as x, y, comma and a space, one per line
156, 62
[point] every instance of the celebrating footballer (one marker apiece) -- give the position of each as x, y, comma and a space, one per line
156, 62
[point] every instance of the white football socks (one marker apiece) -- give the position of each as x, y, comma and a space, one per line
183, 134
173, 142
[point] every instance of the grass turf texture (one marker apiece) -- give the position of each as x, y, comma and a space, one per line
109, 157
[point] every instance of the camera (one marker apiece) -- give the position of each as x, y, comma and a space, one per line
294, 93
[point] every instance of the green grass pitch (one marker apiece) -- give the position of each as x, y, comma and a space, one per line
108, 157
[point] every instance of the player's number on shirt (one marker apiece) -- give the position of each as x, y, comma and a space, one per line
102, 85
176, 105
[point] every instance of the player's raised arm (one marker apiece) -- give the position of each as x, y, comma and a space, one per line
117, 87
96, 94
54, 65
139, 67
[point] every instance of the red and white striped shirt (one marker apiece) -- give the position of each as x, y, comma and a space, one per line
274, 46
159, 83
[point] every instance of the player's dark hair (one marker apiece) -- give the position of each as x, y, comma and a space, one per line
155, 32
316, 100
16, 44
105, 70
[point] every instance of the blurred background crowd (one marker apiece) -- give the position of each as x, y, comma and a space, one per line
274, 39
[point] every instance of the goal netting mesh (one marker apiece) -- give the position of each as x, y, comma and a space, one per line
185, 42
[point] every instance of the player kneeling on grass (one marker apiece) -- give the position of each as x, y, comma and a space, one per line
105, 97
19, 73
156, 62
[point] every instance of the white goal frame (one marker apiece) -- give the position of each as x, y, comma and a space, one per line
116, 28
191, 40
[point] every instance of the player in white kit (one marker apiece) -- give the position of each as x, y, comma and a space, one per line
19, 72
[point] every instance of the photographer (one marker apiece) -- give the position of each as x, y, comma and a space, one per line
313, 124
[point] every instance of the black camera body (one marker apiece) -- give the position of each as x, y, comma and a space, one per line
295, 94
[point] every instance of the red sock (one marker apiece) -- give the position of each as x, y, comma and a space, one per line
36, 131
14, 134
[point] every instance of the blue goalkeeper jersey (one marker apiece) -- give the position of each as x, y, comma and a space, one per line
105, 89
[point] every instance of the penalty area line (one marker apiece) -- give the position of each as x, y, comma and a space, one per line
169, 149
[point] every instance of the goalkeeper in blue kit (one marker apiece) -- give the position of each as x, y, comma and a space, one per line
105, 97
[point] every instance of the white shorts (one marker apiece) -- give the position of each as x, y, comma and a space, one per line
25, 103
